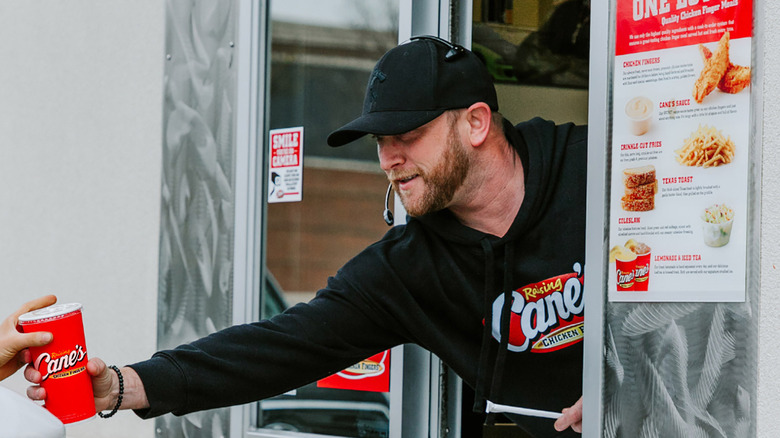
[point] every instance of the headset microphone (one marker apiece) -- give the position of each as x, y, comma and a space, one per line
387, 214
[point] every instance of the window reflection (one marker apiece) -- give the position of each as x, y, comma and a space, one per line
534, 42
322, 53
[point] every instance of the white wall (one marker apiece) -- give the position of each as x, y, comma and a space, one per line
769, 314
80, 146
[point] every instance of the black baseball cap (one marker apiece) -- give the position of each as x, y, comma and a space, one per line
416, 82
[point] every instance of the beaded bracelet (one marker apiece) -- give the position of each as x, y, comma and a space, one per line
121, 393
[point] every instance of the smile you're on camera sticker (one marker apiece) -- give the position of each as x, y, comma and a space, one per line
285, 171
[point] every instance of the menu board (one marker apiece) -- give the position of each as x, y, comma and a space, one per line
680, 150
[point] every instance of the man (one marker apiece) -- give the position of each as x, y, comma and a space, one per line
487, 273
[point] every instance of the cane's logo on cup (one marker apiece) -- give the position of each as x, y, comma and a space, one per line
60, 365
641, 272
625, 279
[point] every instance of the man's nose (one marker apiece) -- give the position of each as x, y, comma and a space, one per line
390, 154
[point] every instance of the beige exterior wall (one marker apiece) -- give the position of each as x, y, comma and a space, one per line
769, 322
80, 147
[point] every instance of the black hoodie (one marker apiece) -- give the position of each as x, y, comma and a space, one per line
433, 282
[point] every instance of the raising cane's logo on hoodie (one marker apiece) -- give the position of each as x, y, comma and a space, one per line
545, 316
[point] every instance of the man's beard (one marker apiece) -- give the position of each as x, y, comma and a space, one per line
441, 182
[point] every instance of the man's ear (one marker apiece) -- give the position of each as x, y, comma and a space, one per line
479, 117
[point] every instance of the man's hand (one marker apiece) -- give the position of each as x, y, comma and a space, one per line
572, 417
13, 344
105, 386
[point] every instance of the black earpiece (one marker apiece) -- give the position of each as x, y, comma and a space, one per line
387, 214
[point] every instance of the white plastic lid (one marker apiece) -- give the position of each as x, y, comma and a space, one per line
52, 311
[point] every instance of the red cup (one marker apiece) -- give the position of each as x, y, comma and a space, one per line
625, 273
642, 272
62, 363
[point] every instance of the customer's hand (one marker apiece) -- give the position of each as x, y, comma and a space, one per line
13, 344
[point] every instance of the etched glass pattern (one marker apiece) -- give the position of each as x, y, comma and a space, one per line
198, 189
683, 370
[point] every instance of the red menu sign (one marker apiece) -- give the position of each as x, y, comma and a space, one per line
372, 374
645, 25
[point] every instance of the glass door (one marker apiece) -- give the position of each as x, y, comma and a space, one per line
324, 213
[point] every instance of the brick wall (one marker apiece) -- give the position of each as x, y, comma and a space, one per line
341, 213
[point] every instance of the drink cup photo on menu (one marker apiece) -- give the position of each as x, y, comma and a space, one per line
632, 265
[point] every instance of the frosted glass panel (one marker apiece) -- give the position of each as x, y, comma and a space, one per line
680, 370
197, 208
